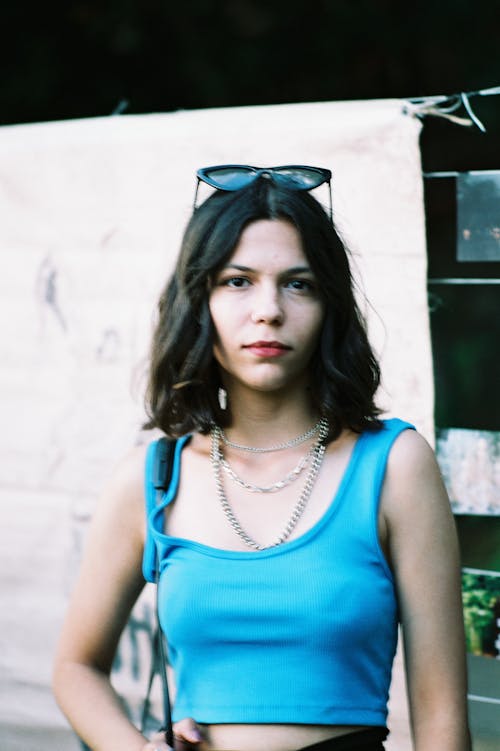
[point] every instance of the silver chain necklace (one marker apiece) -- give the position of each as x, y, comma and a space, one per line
278, 447
273, 487
317, 458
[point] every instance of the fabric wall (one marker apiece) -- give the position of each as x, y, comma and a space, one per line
92, 212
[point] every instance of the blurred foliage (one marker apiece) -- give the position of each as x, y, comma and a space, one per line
480, 594
80, 58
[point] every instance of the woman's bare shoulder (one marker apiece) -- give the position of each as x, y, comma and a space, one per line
413, 483
122, 498
410, 450
127, 475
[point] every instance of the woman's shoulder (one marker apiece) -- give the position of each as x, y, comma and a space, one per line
127, 475
410, 451
122, 497
413, 479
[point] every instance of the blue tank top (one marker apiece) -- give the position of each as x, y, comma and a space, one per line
304, 632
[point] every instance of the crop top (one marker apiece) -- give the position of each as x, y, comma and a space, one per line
304, 632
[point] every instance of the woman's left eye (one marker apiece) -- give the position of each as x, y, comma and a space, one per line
301, 285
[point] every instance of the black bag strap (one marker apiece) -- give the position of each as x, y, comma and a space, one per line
161, 477
162, 466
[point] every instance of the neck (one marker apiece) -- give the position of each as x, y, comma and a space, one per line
263, 418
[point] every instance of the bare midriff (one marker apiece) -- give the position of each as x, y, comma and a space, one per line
269, 737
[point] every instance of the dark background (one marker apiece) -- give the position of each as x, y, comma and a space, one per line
82, 58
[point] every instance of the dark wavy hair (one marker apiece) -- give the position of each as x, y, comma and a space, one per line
184, 379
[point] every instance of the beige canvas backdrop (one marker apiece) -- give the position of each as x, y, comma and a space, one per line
92, 212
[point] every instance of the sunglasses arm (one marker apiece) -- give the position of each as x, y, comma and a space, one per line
196, 193
330, 194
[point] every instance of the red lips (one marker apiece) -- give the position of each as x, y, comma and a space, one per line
263, 348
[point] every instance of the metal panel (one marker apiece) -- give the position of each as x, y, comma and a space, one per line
478, 216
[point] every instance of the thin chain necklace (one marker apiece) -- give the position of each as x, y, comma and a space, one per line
317, 458
278, 447
273, 487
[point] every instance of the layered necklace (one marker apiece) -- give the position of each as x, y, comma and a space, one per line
302, 438
314, 458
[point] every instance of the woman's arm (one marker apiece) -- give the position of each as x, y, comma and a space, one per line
108, 585
423, 552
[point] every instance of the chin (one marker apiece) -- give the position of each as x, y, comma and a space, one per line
269, 388
267, 378
270, 385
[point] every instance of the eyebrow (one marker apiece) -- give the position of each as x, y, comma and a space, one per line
291, 270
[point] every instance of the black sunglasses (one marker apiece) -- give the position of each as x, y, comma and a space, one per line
229, 177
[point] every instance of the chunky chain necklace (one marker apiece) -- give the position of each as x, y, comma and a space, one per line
316, 460
279, 447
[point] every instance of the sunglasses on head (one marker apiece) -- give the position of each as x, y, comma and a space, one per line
230, 177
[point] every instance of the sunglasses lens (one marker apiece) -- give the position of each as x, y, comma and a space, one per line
230, 178
302, 178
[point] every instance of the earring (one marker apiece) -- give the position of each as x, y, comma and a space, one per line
222, 397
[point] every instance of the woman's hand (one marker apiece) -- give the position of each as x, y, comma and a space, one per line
186, 733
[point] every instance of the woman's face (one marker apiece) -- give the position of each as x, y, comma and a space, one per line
266, 309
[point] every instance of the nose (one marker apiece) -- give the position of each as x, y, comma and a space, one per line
267, 305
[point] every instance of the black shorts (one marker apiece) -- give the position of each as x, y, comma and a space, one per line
371, 739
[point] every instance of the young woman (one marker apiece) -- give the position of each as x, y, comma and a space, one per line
299, 528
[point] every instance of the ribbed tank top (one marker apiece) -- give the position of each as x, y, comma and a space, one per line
304, 632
